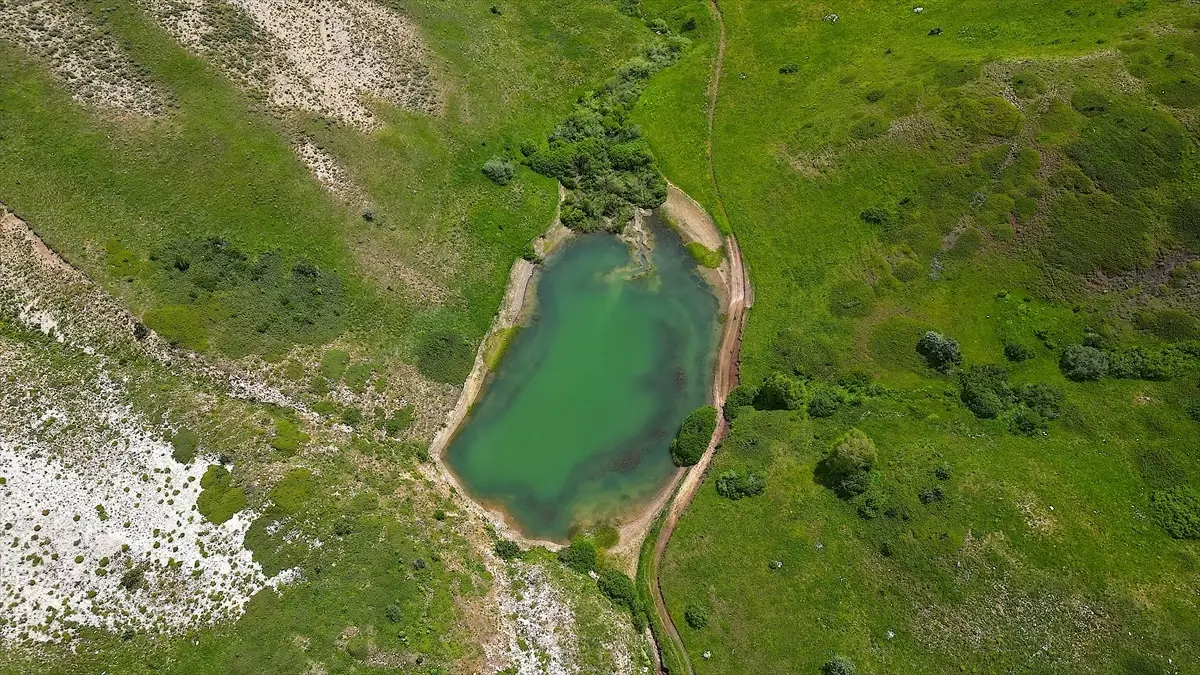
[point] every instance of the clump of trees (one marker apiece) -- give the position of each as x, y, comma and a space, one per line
1085, 362
838, 665
735, 485
986, 392
780, 391
847, 468
580, 556
696, 616
599, 155
940, 352
694, 434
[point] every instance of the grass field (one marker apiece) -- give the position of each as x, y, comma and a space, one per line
879, 176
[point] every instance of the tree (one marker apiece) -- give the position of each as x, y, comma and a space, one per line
499, 169
694, 434
825, 401
847, 468
579, 556
940, 352
780, 391
1082, 363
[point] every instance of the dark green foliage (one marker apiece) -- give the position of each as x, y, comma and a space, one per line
1162, 467
1044, 399
133, 579
851, 297
877, 215
579, 556
1142, 363
333, 364
1178, 92
869, 127
1025, 422
1187, 222
278, 304
985, 390
733, 485
500, 169
1094, 232
288, 438
351, 416
1072, 178
907, 270
689, 24
1017, 351
1127, 147
931, 495
219, 500
1082, 363
940, 352
780, 391
874, 95
788, 69
838, 665
618, 587
393, 613
1177, 510
1132, 7
694, 434
599, 156
296, 488
970, 239
846, 469
183, 445
444, 356
696, 616
825, 401
507, 549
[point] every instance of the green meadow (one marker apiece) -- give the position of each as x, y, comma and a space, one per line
1019, 178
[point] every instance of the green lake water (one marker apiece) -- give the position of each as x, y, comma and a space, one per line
574, 426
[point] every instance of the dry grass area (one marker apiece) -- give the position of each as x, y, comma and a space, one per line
328, 57
89, 63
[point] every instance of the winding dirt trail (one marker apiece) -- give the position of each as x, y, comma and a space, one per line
738, 300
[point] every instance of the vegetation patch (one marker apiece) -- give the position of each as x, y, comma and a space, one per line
218, 499
1094, 232
694, 434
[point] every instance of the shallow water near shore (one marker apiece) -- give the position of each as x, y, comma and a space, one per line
575, 424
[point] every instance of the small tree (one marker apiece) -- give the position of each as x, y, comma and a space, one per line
838, 665
848, 467
825, 401
1082, 363
507, 549
693, 437
940, 352
780, 391
499, 169
696, 616
579, 556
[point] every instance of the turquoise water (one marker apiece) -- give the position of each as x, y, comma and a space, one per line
574, 427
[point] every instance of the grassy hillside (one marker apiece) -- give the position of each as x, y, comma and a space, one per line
1018, 178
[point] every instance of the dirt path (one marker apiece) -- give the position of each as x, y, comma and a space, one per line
738, 299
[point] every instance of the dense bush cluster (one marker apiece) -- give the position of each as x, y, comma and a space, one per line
940, 352
1085, 362
218, 499
986, 392
506, 549
734, 485
780, 391
1082, 363
696, 616
847, 469
600, 156
499, 169
444, 356
694, 434
579, 556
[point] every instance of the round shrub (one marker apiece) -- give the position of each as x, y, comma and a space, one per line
506, 549
696, 616
618, 588
579, 556
825, 402
847, 468
940, 352
1017, 351
780, 391
838, 665
1081, 363
733, 485
184, 444
499, 169
444, 356
694, 434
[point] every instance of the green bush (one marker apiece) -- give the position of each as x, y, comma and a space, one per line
399, 421
1071, 178
1142, 363
780, 391
1044, 399
838, 665
444, 356
1177, 510
907, 270
733, 485
333, 364
499, 169
507, 549
846, 469
851, 297
218, 500
1023, 421
296, 488
1018, 351
985, 390
619, 588
1170, 324
696, 616
288, 438
184, 444
693, 436
1090, 102
825, 401
579, 556
1082, 363
940, 352
743, 395
981, 118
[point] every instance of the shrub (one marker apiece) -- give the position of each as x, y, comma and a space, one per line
940, 352
133, 579
1071, 178
733, 485
1026, 422
742, 395
1170, 324
1140, 363
351, 416
980, 118
393, 613
184, 444
780, 391
838, 665
579, 556
689, 24
876, 216
399, 421
874, 95
907, 270
1187, 221
846, 470
789, 69
696, 616
1043, 399
288, 438
985, 390
693, 436
1081, 363
931, 495
294, 490
499, 169
1177, 510
618, 588
506, 549
825, 401
333, 364
1017, 351
218, 500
